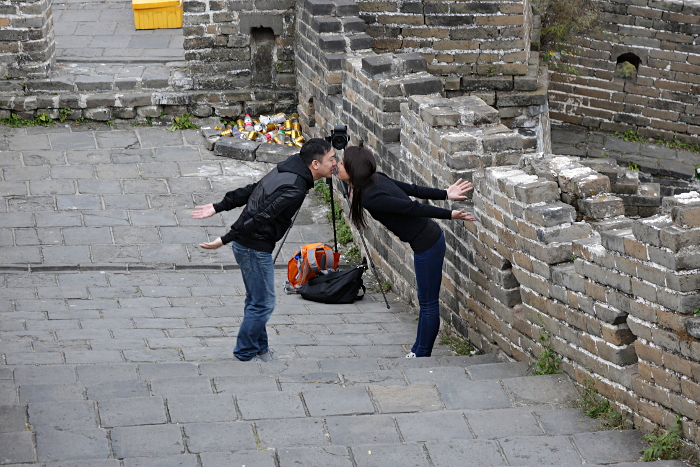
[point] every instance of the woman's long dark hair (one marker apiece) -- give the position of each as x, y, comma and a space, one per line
361, 166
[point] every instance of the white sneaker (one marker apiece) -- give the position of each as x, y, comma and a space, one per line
410, 355
269, 356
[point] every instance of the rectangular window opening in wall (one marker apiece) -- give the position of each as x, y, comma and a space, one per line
262, 52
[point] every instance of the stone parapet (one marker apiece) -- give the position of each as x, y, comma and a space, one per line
27, 48
327, 33
140, 106
456, 38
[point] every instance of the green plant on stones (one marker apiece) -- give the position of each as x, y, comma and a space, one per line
353, 256
667, 446
633, 166
63, 114
565, 23
109, 123
15, 121
548, 361
696, 312
630, 136
460, 345
596, 406
634, 137
342, 228
183, 123
386, 287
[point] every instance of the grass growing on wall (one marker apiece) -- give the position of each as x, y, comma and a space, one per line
564, 25
598, 407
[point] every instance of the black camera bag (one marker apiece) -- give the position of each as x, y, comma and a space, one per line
335, 286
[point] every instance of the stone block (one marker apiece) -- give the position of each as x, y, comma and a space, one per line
376, 64
601, 207
409, 63
674, 238
692, 327
537, 192
591, 185
332, 44
614, 239
345, 8
99, 114
421, 85
236, 149
500, 142
459, 143
353, 25
686, 216
326, 25
550, 215
564, 234
274, 153
648, 230
440, 116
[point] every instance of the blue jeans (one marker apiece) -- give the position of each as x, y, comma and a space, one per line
258, 276
428, 266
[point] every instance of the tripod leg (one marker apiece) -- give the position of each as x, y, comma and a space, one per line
335, 233
285, 237
371, 262
374, 270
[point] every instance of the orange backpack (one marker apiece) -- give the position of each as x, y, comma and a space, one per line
312, 260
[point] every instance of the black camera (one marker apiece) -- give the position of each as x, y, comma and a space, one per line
339, 137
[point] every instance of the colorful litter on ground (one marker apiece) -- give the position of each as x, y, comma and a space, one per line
278, 129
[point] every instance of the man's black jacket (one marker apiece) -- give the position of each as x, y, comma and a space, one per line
270, 205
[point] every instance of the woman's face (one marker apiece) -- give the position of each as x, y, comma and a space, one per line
341, 173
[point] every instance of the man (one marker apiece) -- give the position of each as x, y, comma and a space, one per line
270, 205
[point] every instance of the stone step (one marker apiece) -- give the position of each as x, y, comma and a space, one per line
101, 381
439, 411
154, 427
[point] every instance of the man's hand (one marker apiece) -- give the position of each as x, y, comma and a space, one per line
202, 212
463, 216
456, 191
212, 245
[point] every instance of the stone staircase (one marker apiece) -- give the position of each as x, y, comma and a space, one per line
311, 411
116, 334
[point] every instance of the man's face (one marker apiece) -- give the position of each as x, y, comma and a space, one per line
326, 167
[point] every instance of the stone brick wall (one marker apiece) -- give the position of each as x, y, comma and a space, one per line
457, 38
615, 294
245, 47
27, 47
327, 33
662, 99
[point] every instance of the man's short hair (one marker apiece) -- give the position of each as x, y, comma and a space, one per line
314, 149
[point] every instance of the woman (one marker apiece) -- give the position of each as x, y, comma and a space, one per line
388, 202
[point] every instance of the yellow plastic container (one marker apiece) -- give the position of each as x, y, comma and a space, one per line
157, 14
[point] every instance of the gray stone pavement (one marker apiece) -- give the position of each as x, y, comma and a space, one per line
99, 49
89, 31
116, 334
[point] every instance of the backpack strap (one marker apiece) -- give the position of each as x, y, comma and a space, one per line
324, 263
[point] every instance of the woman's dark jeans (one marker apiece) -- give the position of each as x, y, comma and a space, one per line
428, 266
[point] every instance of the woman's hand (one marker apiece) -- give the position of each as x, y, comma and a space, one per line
463, 216
456, 191
202, 212
213, 245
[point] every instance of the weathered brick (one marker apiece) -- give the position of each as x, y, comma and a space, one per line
549, 215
